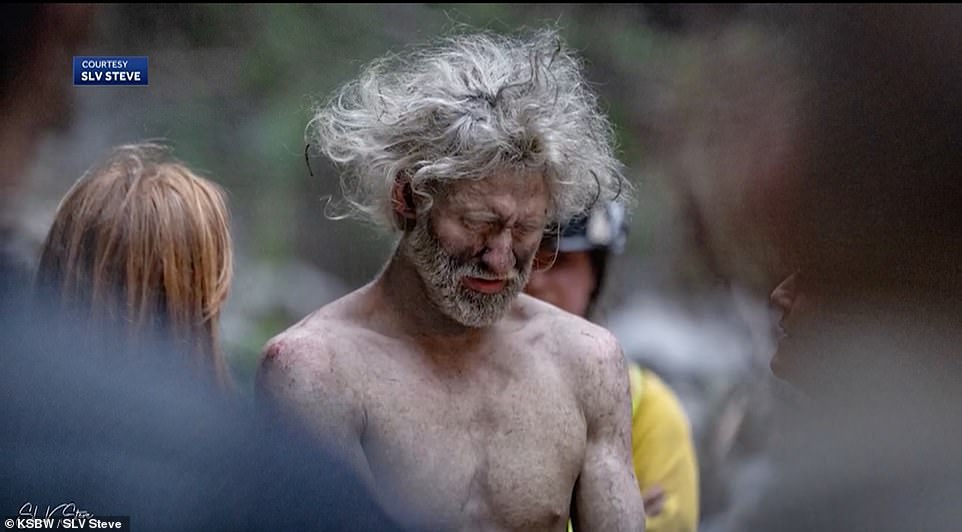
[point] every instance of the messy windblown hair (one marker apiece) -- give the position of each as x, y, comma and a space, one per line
469, 107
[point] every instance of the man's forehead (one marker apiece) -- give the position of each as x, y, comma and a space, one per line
527, 188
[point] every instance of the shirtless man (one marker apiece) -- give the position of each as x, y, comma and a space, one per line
465, 405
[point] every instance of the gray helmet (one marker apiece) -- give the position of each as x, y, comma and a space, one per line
604, 227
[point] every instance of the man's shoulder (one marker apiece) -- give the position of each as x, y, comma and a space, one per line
314, 337
575, 339
315, 342
588, 355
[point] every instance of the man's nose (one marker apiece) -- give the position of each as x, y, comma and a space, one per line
498, 255
783, 297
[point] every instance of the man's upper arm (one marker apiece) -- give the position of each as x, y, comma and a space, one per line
606, 494
308, 385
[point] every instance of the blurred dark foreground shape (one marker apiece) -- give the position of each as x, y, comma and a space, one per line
122, 433
856, 186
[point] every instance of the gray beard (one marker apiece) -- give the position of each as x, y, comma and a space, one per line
442, 274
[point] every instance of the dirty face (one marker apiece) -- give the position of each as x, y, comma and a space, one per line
475, 247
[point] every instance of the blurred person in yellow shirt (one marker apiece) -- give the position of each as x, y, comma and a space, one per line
569, 273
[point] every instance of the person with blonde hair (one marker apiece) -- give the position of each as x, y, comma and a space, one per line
143, 241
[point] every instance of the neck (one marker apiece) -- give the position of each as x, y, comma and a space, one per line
413, 313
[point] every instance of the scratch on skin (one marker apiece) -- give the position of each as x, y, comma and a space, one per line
273, 351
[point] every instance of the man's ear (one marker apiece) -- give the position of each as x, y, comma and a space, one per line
402, 201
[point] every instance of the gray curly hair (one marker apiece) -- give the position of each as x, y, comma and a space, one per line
469, 107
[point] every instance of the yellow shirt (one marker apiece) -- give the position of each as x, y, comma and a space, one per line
663, 452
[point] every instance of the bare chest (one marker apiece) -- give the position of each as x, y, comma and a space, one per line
494, 447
